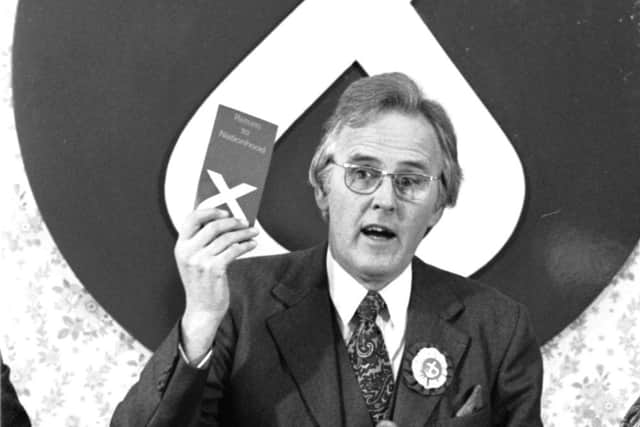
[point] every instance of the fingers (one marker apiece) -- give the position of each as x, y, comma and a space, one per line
225, 240
237, 249
208, 233
197, 219
214, 230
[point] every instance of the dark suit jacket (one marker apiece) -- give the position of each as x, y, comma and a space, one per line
279, 359
632, 417
12, 414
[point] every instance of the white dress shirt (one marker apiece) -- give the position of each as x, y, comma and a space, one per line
347, 294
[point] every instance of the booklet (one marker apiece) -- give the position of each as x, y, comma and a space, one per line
236, 165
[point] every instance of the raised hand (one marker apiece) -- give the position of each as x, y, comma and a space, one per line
208, 241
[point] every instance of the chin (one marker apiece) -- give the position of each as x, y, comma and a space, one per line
379, 270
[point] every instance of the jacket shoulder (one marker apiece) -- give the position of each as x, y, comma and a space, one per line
478, 298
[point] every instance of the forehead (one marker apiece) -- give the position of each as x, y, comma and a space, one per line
390, 140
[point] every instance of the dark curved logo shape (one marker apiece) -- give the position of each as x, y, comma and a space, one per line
103, 89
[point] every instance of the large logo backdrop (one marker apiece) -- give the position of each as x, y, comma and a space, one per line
103, 91
297, 81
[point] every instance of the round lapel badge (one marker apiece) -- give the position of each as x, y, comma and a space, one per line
427, 369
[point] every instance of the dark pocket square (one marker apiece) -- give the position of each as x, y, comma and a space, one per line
473, 403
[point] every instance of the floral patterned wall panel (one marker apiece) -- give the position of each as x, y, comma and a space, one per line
592, 368
71, 362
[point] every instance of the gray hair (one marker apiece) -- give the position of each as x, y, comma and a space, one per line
364, 100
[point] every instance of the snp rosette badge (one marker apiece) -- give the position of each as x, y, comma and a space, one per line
427, 369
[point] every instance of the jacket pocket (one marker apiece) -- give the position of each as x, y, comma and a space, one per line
477, 419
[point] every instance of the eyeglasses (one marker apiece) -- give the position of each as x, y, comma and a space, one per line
367, 179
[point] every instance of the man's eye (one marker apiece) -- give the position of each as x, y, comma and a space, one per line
362, 173
408, 180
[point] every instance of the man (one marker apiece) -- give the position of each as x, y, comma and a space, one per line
355, 332
12, 414
632, 417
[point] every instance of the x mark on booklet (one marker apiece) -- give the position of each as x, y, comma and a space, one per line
226, 195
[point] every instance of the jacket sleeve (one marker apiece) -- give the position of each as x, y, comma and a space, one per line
516, 397
11, 411
170, 392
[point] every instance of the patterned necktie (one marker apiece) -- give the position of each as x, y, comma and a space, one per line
370, 359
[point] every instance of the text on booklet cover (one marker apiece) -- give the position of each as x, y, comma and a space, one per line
236, 165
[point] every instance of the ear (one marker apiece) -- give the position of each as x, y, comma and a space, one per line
322, 199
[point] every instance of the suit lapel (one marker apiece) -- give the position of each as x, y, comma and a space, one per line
303, 332
432, 305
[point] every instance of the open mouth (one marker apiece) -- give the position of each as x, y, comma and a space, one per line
378, 232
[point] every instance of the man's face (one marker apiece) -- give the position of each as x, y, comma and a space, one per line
374, 236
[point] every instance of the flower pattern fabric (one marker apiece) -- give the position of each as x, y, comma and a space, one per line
370, 359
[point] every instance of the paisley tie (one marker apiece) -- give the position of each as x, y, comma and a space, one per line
370, 359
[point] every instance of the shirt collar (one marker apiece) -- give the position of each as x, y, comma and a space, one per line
347, 293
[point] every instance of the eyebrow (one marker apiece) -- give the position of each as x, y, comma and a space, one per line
417, 165
363, 158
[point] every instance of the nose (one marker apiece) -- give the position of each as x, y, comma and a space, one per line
385, 196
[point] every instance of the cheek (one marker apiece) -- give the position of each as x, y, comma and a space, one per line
421, 221
343, 203
344, 214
